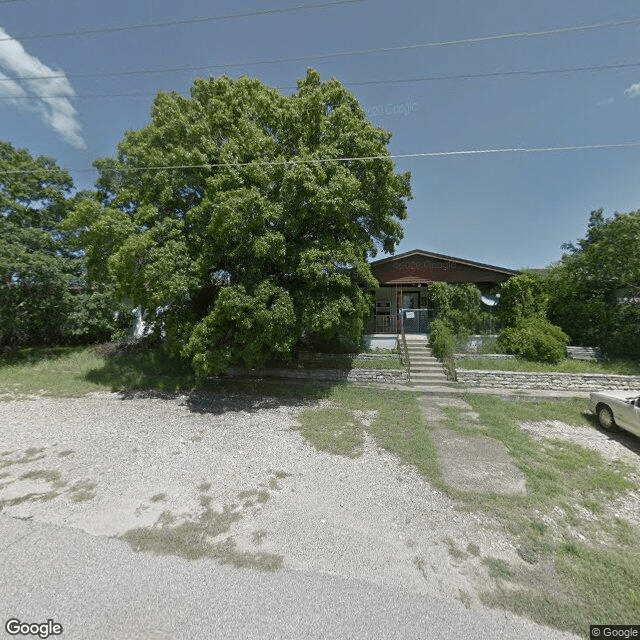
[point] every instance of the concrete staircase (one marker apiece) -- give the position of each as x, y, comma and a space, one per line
424, 370
584, 353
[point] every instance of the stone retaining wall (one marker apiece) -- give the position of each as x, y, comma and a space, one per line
351, 375
559, 381
320, 357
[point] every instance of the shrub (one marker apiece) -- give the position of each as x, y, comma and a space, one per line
535, 339
442, 339
522, 296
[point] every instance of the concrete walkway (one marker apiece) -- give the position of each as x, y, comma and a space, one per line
469, 462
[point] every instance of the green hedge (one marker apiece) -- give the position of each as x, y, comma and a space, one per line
535, 339
442, 339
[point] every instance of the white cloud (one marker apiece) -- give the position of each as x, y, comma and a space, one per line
633, 91
56, 112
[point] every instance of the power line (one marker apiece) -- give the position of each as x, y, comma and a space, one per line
463, 76
402, 156
172, 23
340, 54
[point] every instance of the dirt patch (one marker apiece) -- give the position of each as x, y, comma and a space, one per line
477, 463
470, 462
616, 448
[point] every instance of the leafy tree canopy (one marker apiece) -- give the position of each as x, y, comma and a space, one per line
595, 287
459, 306
522, 296
241, 231
44, 297
608, 257
34, 269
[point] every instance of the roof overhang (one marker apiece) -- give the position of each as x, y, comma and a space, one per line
420, 267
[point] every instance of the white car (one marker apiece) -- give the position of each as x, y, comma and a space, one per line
617, 408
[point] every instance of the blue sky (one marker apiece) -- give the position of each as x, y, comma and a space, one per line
513, 210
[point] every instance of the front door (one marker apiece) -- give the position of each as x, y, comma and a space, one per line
410, 301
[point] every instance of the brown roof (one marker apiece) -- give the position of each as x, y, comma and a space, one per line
441, 262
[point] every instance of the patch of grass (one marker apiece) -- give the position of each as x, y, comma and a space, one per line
205, 501
82, 491
473, 549
76, 371
48, 475
334, 430
497, 568
65, 453
30, 455
57, 371
158, 497
554, 585
194, 539
29, 497
146, 369
259, 536
568, 365
398, 426
454, 551
205, 486
379, 362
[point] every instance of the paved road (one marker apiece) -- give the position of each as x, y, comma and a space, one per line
99, 588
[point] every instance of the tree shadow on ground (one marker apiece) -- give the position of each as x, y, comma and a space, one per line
146, 369
35, 355
151, 374
237, 395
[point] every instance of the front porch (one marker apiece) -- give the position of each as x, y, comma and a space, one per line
402, 299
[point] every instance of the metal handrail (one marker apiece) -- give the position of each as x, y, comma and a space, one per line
403, 346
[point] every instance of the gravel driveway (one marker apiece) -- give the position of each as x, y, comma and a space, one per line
229, 478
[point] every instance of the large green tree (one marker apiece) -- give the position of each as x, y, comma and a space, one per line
595, 288
229, 212
34, 268
45, 297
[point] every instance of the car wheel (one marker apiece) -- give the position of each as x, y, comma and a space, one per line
605, 417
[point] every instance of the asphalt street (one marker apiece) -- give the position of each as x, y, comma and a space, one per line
100, 588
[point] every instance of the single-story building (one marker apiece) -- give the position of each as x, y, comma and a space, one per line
403, 281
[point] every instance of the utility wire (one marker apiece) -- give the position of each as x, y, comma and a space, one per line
340, 54
300, 161
463, 76
172, 23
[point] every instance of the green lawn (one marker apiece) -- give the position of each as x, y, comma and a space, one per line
585, 567
622, 367
75, 371
377, 362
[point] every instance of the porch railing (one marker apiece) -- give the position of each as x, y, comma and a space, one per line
404, 349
